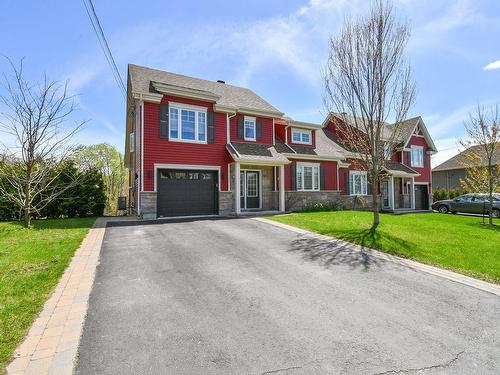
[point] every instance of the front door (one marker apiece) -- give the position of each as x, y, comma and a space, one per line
250, 189
385, 192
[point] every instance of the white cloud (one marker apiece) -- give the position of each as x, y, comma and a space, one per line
493, 65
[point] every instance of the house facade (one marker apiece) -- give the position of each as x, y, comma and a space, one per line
198, 147
448, 175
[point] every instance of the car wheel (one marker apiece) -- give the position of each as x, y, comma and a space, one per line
495, 213
443, 209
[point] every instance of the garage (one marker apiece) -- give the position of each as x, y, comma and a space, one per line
186, 192
421, 197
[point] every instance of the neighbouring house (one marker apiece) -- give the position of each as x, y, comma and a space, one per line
448, 174
199, 147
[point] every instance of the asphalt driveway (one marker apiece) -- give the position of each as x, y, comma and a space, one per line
244, 297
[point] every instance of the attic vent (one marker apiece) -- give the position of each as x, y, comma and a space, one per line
221, 81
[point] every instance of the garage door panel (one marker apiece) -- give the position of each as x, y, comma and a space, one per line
185, 193
421, 197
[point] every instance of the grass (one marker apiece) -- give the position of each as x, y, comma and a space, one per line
31, 263
459, 243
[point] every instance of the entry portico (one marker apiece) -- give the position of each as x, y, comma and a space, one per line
257, 177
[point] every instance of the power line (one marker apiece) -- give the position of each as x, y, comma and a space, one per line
96, 25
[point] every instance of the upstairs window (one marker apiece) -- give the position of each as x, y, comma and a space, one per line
301, 136
387, 151
417, 156
358, 183
187, 123
249, 129
307, 177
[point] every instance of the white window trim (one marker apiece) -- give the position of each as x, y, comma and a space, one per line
302, 131
187, 107
301, 165
413, 161
254, 121
358, 173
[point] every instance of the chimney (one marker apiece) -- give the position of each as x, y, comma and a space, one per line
221, 81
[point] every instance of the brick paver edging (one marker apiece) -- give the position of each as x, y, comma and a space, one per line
450, 275
50, 347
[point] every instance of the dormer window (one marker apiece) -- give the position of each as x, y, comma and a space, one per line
250, 133
302, 136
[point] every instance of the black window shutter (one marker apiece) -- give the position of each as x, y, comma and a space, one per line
163, 120
322, 178
241, 126
210, 127
409, 158
258, 130
347, 183
368, 188
293, 176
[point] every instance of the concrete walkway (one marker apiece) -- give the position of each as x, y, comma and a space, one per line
50, 346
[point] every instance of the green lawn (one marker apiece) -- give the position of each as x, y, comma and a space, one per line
31, 263
459, 243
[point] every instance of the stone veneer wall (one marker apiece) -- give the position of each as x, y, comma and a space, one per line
300, 200
226, 202
148, 205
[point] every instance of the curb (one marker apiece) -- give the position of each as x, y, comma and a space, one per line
414, 265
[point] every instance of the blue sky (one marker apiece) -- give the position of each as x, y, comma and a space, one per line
277, 48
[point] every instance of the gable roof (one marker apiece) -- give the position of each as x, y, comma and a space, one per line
405, 131
458, 161
148, 80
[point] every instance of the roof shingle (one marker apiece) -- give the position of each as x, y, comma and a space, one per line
232, 96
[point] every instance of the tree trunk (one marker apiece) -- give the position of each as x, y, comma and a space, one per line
375, 207
490, 193
27, 217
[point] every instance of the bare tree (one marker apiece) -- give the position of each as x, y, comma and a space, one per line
368, 82
34, 122
481, 156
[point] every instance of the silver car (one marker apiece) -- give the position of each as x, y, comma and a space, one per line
469, 203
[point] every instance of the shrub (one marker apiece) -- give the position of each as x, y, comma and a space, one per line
441, 194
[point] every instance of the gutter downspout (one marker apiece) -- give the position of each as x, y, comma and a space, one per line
228, 136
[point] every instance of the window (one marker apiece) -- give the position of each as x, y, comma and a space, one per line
252, 185
187, 123
132, 142
357, 183
417, 156
307, 177
301, 136
387, 151
250, 129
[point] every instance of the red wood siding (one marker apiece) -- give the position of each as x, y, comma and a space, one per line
160, 150
267, 129
329, 167
280, 132
425, 172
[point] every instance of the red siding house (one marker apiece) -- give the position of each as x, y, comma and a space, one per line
198, 147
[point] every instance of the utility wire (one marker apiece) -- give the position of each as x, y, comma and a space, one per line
96, 25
